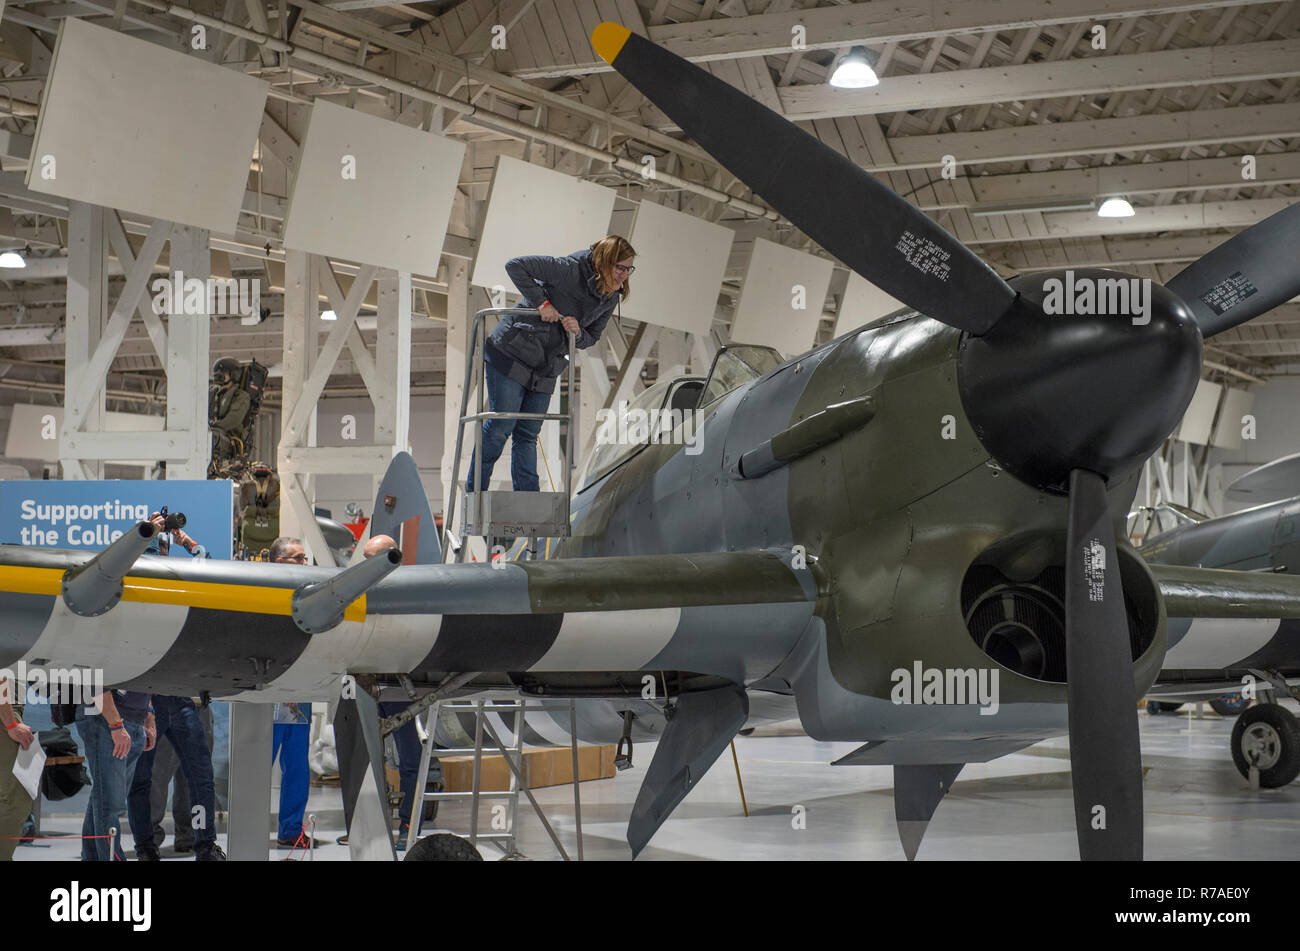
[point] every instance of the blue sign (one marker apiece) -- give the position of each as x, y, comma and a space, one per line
90, 515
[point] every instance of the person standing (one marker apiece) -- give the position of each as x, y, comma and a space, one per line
177, 719
114, 734
290, 736
406, 740
167, 771
15, 804
574, 294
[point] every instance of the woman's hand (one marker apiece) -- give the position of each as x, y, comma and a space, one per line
570, 324
549, 313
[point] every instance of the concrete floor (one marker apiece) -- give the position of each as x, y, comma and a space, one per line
1018, 807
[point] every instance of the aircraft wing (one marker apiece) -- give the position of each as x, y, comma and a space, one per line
1215, 592
254, 631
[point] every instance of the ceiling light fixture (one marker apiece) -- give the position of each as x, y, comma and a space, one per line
1117, 207
855, 70
12, 259
329, 315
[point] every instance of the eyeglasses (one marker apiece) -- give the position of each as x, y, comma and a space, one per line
296, 559
625, 268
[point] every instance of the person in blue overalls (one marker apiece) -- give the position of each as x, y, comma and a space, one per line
574, 294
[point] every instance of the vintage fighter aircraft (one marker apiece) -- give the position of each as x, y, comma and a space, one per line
1208, 656
827, 537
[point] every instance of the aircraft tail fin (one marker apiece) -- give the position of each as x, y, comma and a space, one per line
402, 511
697, 733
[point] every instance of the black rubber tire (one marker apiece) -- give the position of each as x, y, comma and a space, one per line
1280, 733
430, 810
443, 847
1226, 706
1155, 707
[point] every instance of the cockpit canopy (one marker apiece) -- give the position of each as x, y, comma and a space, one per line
1148, 522
665, 412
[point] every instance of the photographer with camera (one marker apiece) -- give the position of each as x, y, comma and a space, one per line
180, 720
171, 529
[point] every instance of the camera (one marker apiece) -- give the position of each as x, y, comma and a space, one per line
171, 520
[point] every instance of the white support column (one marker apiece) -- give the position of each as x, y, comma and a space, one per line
87, 311
702, 353
301, 320
593, 389
392, 392
628, 377
458, 320
674, 353
386, 374
188, 358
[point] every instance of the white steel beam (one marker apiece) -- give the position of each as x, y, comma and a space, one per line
878, 22
126, 257
91, 381
457, 345
1134, 179
1242, 62
1189, 217
87, 311
1103, 252
392, 391
593, 388
188, 353
303, 409
301, 323
1099, 136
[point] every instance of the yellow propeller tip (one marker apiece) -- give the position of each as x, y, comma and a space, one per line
608, 38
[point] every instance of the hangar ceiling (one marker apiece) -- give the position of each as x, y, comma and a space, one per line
1039, 122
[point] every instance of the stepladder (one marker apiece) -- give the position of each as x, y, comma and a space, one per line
510, 712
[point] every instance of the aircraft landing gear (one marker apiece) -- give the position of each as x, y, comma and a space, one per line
1267, 737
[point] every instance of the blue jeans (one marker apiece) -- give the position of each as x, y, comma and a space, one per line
178, 721
109, 777
289, 742
407, 741
507, 396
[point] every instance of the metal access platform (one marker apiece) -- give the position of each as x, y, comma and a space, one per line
501, 513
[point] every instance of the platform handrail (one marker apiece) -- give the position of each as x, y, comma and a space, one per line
473, 369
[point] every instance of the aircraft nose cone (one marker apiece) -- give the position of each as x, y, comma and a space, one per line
1090, 369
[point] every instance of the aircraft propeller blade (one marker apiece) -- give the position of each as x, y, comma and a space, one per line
847, 211
1250, 273
1105, 757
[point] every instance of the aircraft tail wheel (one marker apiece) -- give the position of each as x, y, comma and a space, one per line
443, 847
1267, 737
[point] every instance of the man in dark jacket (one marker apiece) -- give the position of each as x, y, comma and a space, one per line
574, 294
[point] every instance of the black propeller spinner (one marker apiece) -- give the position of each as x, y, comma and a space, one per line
1065, 403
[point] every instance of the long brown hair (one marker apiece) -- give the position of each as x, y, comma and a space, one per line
607, 252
